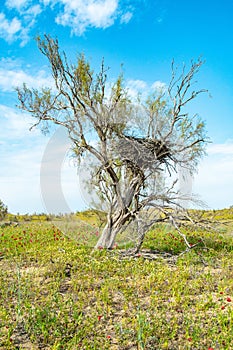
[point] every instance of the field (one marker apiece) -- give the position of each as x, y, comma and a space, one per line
57, 294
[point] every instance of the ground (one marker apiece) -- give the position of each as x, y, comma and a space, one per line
57, 294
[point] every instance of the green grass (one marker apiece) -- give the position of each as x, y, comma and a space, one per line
55, 294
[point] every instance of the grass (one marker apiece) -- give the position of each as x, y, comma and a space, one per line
55, 294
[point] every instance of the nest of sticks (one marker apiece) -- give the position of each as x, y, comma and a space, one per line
143, 153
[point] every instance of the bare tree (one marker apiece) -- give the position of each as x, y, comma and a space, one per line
3, 210
137, 144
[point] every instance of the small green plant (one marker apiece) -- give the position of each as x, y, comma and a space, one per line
142, 324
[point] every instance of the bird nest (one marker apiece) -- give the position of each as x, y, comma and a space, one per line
143, 152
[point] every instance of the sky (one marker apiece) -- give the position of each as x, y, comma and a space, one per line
143, 35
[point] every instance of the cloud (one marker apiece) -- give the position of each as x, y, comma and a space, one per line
20, 187
214, 180
15, 125
158, 85
18, 29
140, 87
32, 12
17, 4
12, 77
9, 29
126, 17
136, 87
81, 14
25, 8
21, 154
20, 160
222, 149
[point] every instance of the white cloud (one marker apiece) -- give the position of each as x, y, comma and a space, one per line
158, 85
32, 12
136, 87
21, 154
137, 84
126, 17
76, 14
15, 125
223, 149
20, 161
18, 29
9, 29
20, 186
140, 87
81, 14
25, 8
11, 77
214, 180
17, 4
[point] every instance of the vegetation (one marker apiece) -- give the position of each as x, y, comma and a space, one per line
134, 145
56, 295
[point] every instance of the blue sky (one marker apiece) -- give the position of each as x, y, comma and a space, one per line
145, 36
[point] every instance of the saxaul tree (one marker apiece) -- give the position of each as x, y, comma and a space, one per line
3, 210
135, 144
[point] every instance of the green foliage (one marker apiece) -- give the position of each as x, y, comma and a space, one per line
93, 217
83, 76
220, 215
56, 295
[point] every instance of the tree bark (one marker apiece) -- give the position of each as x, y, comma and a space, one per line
111, 229
107, 238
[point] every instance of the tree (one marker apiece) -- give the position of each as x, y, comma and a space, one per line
137, 144
3, 210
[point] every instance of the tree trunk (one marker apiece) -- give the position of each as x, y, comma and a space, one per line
113, 226
107, 237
